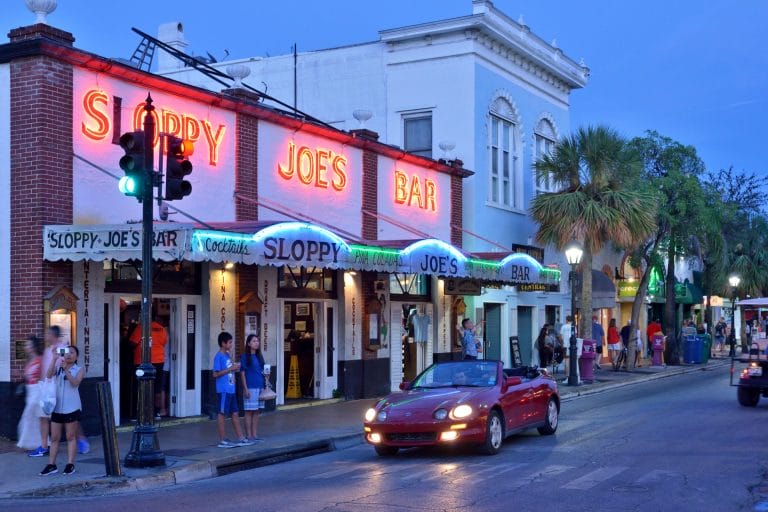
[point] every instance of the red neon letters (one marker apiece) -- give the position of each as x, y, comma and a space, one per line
410, 191
310, 166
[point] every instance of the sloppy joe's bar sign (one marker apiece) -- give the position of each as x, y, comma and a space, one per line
120, 242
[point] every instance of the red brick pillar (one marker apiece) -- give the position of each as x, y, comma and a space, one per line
41, 177
370, 187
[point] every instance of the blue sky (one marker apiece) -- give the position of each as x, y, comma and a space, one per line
694, 71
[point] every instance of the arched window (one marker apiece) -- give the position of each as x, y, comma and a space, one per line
544, 136
504, 180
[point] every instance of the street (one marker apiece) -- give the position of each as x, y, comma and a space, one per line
680, 443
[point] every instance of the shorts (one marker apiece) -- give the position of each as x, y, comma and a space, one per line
253, 403
159, 377
67, 417
227, 403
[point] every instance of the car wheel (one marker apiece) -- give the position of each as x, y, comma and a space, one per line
748, 397
494, 434
386, 451
550, 420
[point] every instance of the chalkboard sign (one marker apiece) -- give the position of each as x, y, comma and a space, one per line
514, 352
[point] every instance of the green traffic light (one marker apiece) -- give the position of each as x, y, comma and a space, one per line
128, 185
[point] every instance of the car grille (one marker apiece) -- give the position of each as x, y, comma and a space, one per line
412, 437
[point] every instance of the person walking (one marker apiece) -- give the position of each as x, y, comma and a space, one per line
66, 415
598, 334
469, 346
157, 358
28, 429
626, 334
545, 345
614, 345
224, 371
252, 378
720, 329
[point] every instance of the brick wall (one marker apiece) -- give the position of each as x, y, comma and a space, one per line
247, 153
41, 187
456, 210
370, 195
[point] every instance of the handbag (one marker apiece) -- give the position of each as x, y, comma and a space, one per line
47, 396
267, 393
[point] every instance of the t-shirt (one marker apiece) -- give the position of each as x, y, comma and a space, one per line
625, 333
421, 328
565, 333
597, 333
67, 395
254, 378
159, 340
720, 329
33, 369
224, 383
468, 343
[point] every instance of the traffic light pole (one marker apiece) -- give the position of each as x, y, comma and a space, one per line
145, 447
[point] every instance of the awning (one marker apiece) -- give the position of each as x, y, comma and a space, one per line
603, 291
761, 302
286, 243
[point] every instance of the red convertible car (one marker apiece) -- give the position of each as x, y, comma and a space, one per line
476, 402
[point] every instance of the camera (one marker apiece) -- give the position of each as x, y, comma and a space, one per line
62, 351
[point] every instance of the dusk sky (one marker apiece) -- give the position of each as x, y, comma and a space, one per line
694, 71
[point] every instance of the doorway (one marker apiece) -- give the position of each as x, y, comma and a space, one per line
525, 332
492, 331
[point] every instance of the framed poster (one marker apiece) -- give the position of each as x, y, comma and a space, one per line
287, 318
514, 352
302, 309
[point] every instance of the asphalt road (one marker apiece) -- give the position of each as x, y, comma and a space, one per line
680, 443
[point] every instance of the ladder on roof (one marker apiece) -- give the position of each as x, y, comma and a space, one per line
142, 56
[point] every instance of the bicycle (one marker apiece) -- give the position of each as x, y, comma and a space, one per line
622, 359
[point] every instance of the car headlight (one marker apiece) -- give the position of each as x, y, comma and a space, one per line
370, 414
461, 411
440, 414
382, 416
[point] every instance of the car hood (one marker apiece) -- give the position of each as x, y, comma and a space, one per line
431, 399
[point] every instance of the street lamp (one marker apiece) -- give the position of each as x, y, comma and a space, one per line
734, 281
573, 253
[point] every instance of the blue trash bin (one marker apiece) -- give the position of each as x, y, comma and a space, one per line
692, 349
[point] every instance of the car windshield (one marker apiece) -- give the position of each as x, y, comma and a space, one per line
458, 374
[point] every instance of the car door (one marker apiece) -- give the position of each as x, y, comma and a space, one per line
515, 403
539, 398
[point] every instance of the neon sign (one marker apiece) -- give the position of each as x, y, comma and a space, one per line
98, 123
409, 191
308, 166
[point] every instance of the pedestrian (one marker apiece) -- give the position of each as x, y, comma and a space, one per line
689, 329
720, 328
67, 375
224, 371
28, 429
598, 334
157, 358
253, 380
638, 349
653, 328
545, 345
469, 346
614, 345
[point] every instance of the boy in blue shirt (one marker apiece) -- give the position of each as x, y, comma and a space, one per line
224, 371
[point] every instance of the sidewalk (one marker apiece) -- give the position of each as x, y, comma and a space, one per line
191, 453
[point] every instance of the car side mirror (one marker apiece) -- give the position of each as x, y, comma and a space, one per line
404, 385
512, 381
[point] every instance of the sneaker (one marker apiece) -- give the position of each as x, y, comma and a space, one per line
38, 452
226, 443
69, 469
245, 442
83, 446
49, 470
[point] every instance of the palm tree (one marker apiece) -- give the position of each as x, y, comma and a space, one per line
595, 205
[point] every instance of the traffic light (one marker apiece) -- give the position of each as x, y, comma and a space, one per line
177, 168
132, 163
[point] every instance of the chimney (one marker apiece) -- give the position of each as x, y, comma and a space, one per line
171, 34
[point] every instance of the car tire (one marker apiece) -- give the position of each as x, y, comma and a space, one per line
550, 419
494, 434
386, 451
748, 397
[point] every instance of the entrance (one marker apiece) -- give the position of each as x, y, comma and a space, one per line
309, 350
492, 331
180, 317
525, 332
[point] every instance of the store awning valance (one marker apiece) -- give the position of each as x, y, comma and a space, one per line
287, 243
603, 290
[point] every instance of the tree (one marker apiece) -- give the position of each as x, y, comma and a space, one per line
592, 206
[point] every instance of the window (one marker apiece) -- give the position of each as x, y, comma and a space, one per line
545, 143
411, 285
503, 163
417, 134
304, 282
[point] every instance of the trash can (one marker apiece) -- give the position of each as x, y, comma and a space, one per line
658, 350
587, 360
692, 349
706, 347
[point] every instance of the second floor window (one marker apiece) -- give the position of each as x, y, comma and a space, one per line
503, 163
417, 135
544, 136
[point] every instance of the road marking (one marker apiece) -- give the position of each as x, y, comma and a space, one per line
380, 470
339, 472
540, 475
590, 480
657, 475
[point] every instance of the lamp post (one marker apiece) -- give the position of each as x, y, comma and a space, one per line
573, 253
734, 281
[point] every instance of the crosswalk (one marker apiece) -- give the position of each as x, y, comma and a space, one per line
515, 474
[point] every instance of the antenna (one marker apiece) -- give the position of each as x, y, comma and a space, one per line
224, 79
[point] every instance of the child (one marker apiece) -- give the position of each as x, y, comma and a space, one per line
224, 371
252, 378
66, 415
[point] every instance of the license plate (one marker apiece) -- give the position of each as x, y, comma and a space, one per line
755, 371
